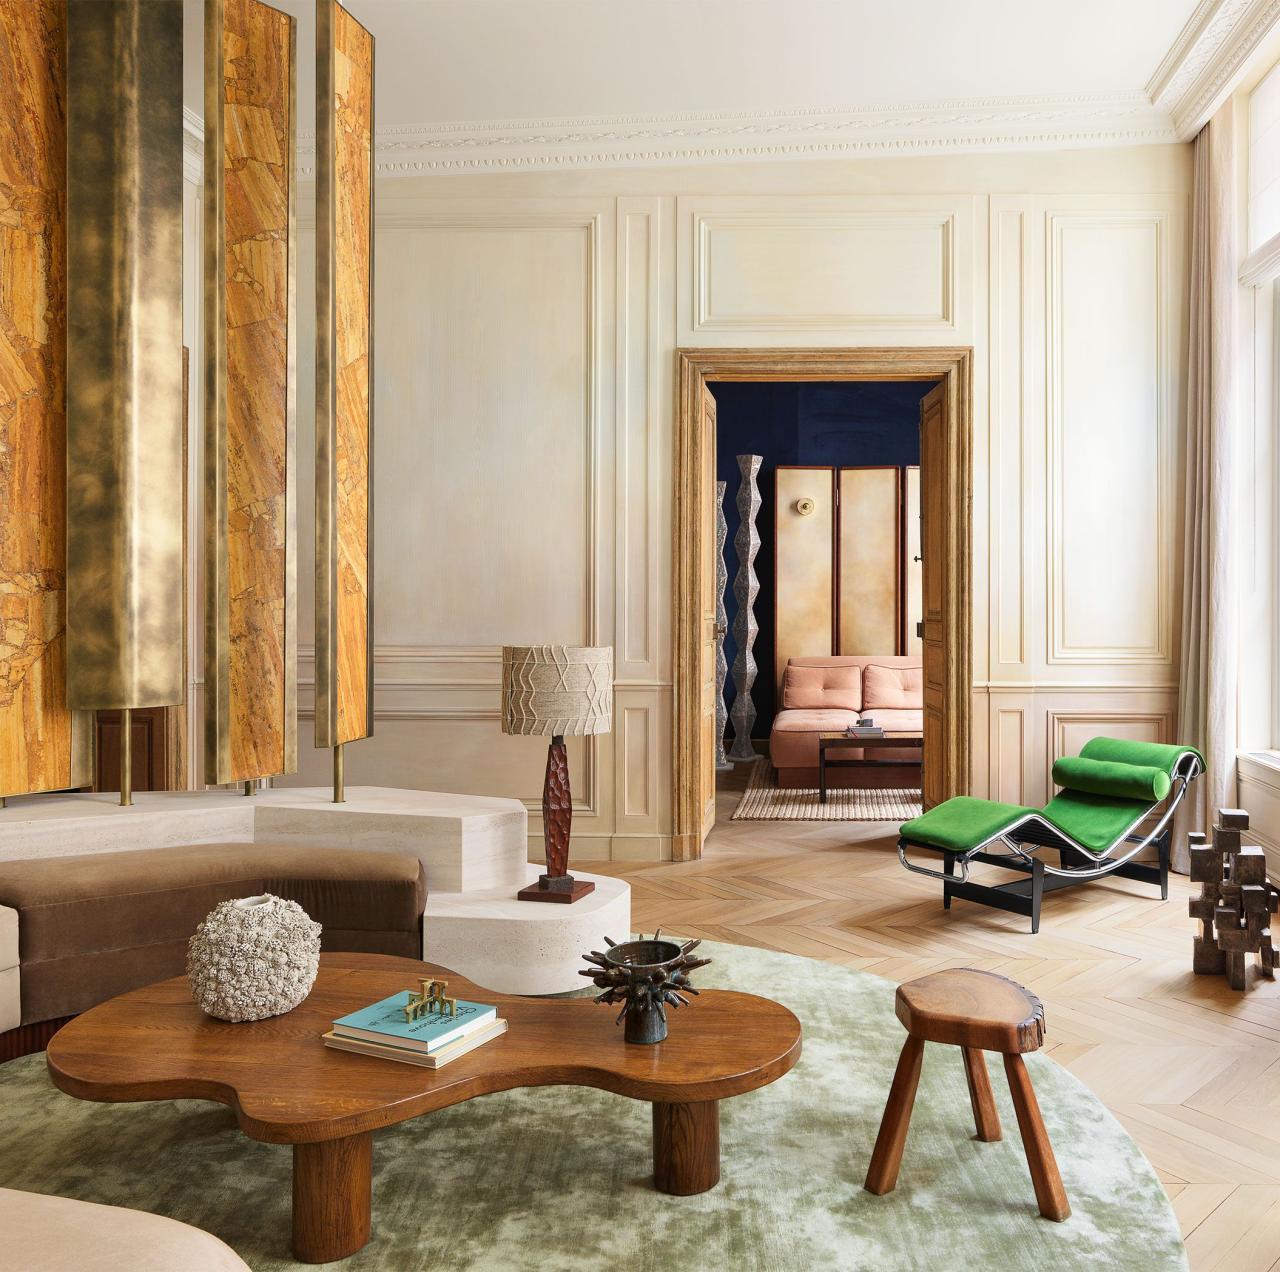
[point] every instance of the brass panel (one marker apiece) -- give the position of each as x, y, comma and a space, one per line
344, 368
869, 561
43, 745
804, 581
250, 392
124, 354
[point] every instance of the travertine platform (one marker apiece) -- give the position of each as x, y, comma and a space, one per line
494, 940
465, 841
475, 849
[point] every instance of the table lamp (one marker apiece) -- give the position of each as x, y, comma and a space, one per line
557, 691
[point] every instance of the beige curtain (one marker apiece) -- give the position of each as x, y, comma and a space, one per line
1207, 682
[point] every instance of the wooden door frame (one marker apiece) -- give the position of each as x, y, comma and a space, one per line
698, 367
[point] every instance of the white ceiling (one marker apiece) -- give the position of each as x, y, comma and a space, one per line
1000, 67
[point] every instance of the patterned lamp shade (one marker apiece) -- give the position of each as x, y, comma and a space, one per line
557, 690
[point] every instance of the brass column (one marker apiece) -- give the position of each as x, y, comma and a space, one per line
125, 591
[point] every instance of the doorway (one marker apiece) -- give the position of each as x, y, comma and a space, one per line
946, 431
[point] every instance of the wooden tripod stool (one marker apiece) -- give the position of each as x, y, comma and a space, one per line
977, 1012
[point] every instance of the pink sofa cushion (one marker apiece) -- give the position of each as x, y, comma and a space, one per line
819, 688
899, 688
793, 742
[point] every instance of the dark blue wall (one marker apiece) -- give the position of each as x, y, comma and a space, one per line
837, 424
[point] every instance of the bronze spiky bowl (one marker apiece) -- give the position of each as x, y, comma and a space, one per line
644, 975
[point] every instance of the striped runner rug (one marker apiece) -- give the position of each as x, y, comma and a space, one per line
764, 800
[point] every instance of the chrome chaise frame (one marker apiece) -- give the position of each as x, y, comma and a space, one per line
1024, 896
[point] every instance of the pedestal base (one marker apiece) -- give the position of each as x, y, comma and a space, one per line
563, 890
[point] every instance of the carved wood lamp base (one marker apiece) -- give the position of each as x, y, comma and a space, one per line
557, 885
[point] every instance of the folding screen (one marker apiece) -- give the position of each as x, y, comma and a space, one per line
250, 539
344, 369
804, 580
869, 547
43, 744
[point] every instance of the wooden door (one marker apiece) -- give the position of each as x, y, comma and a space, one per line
155, 754
913, 558
710, 634
933, 467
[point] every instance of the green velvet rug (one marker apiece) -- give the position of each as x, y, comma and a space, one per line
559, 1178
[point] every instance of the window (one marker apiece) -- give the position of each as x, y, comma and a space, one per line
1259, 397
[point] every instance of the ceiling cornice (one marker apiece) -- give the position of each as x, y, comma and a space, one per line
1201, 67
965, 125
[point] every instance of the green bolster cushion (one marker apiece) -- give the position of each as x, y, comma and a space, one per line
1112, 778
962, 823
1159, 755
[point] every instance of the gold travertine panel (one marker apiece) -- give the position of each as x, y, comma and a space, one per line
804, 588
344, 360
125, 511
37, 752
869, 560
251, 637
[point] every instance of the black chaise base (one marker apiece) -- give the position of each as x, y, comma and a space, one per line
1024, 896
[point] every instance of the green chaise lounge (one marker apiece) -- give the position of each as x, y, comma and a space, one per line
1108, 792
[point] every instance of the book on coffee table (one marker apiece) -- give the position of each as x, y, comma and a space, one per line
385, 1023
427, 1060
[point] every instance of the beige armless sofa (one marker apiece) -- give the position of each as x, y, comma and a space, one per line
75, 931
825, 695
56, 1234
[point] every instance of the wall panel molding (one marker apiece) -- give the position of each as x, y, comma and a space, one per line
639, 571
1096, 509
866, 264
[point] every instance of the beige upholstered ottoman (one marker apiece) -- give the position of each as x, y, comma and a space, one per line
57, 1234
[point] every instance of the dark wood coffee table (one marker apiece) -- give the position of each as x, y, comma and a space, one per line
906, 741
286, 1087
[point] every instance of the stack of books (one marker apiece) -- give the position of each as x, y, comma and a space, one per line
866, 728
431, 1040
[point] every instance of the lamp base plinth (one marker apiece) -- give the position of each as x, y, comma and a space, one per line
563, 889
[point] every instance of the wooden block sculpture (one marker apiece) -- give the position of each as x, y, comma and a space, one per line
1235, 904
430, 1001
977, 1012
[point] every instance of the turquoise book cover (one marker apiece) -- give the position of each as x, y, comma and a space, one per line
385, 1021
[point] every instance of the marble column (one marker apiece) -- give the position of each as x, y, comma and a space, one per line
723, 761
746, 587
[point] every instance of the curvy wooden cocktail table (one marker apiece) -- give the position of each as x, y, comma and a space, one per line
286, 1087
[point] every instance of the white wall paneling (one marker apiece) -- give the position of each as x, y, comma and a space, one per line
527, 327
1113, 308
823, 266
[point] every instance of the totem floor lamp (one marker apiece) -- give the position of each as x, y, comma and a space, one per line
557, 691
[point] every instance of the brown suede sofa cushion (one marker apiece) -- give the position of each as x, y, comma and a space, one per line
96, 925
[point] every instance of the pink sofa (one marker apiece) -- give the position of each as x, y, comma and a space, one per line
823, 695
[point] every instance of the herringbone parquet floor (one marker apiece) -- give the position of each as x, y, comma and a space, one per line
1191, 1068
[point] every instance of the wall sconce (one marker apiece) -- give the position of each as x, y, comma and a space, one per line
805, 506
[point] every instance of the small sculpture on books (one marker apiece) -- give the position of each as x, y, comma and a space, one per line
1235, 904
431, 1000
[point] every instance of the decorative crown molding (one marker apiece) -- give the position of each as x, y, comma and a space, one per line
1018, 123
192, 146
1200, 68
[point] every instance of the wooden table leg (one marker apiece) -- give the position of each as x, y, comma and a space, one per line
985, 1117
686, 1147
882, 1174
332, 1197
1050, 1194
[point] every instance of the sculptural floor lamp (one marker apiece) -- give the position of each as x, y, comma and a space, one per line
557, 691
